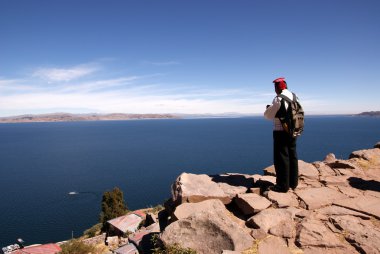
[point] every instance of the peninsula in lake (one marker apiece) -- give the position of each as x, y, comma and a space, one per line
370, 113
67, 117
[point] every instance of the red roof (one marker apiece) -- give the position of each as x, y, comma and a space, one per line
126, 223
50, 248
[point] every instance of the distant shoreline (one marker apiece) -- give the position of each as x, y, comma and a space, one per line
68, 117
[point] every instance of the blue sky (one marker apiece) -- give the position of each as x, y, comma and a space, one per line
84, 56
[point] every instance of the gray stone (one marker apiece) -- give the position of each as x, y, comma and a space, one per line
283, 199
208, 233
269, 218
251, 203
330, 158
273, 245
196, 188
317, 197
313, 233
364, 204
307, 170
360, 233
187, 209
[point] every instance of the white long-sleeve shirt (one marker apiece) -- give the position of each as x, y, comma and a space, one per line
271, 111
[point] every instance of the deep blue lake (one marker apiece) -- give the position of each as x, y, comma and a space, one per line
40, 163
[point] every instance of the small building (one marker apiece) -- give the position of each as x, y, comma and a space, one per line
50, 248
123, 224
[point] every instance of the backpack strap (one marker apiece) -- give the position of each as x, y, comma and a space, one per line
286, 98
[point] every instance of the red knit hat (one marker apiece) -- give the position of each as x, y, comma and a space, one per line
281, 83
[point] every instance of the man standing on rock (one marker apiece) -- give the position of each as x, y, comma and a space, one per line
284, 146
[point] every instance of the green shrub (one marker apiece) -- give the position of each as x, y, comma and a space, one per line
93, 231
113, 206
77, 247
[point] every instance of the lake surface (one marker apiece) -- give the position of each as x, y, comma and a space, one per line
40, 163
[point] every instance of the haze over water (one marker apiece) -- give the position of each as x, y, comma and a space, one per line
42, 162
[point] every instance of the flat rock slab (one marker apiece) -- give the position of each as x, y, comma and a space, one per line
366, 204
313, 233
335, 180
196, 188
317, 197
360, 233
307, 170
340, 211
273, 244
269, 218
283, 199
251, 203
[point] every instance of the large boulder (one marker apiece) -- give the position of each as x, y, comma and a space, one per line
207, 233
317, 197
251, 203
367, 204
340, 211
194, 188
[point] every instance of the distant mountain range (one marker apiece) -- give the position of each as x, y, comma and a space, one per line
67, 117
370, 113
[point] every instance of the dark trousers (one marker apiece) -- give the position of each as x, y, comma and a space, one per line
285, 160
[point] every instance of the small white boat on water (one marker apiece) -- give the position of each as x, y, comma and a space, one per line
73, 193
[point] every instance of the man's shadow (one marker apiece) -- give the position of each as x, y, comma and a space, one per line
362, 184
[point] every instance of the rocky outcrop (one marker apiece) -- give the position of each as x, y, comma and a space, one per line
335, 209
